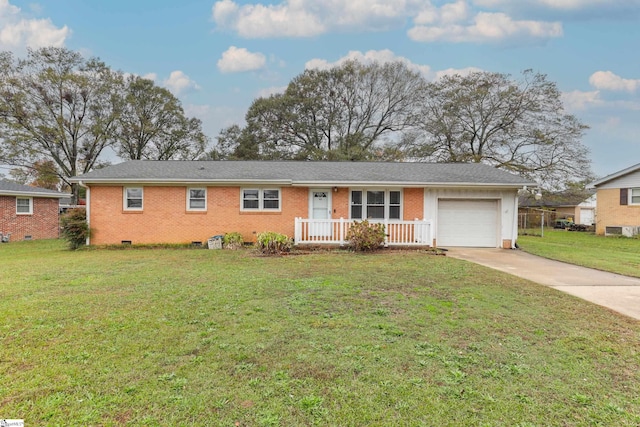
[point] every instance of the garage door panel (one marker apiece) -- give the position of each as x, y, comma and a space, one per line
472, 223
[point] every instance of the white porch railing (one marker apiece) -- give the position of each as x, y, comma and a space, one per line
334, 231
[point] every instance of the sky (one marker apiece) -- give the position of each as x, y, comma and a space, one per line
218, 56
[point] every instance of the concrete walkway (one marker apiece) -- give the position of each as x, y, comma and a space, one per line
619, 293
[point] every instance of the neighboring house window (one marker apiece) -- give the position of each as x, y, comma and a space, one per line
634, 196
24, 205
197, 199
256, 199
133, 198
375, 204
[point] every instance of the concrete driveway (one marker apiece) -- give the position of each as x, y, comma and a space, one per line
619, 293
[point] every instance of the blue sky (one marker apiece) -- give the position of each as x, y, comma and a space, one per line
218, 56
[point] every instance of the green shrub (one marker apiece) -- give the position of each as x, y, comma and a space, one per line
363, 236
233, 240
273, 243
75, 228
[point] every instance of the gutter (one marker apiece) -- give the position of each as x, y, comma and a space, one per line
87, 208
34, 194
288, 182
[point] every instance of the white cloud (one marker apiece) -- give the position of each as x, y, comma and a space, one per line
579, 100
178, 82
447, 14
17, 32
237, 60
486, 27
308, 18
151, 76
268, 91
257, 21
606, 80
381, 56
453, 71
564, 5
384, 56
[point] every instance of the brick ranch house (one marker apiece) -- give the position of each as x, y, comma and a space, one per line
618, 208
29, 213
314, 202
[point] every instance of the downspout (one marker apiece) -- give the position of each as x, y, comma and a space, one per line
514, 236
88, 209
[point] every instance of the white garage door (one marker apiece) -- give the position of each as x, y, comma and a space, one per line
586, 216
472, 223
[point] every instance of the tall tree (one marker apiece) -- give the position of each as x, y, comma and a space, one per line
152, 125
349, 112
519, 126
42, 173
56, 105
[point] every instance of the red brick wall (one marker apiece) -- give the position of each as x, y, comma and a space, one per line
165, 218
42, 224
413, 204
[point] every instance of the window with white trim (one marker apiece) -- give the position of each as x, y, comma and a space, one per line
634, 196
133, 197
196, 199
24, 205
376, 204
260, 199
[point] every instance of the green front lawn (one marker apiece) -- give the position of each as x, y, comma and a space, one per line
615, 254
223, 338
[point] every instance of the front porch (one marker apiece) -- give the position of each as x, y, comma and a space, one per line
334, 231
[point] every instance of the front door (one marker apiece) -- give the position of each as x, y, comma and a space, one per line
320, 210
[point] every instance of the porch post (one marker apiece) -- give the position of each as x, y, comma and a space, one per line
297, 234
386, 232
341, 231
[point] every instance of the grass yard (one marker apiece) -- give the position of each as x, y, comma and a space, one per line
223, 338
615, 254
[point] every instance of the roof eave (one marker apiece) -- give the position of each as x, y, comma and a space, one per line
181, 181
33, 194
333, 183
405, 184
613, 176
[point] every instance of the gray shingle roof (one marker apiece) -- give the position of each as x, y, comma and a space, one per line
14, 189
303, 173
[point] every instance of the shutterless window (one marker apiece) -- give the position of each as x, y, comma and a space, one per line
635, 196
394, 205
261, 199
24, 205
271, 199
376, 204
197, 199
356, 204
133, 198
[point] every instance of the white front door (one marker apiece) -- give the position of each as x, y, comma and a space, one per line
320, 207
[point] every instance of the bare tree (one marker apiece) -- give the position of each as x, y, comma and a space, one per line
56, 105
152, 125
350, 112
519, 126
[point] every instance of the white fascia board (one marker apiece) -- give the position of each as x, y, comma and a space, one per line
410, 184
166, 182
33, 194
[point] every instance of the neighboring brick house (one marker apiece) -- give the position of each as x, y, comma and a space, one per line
618, 208
29, 213
314, 202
